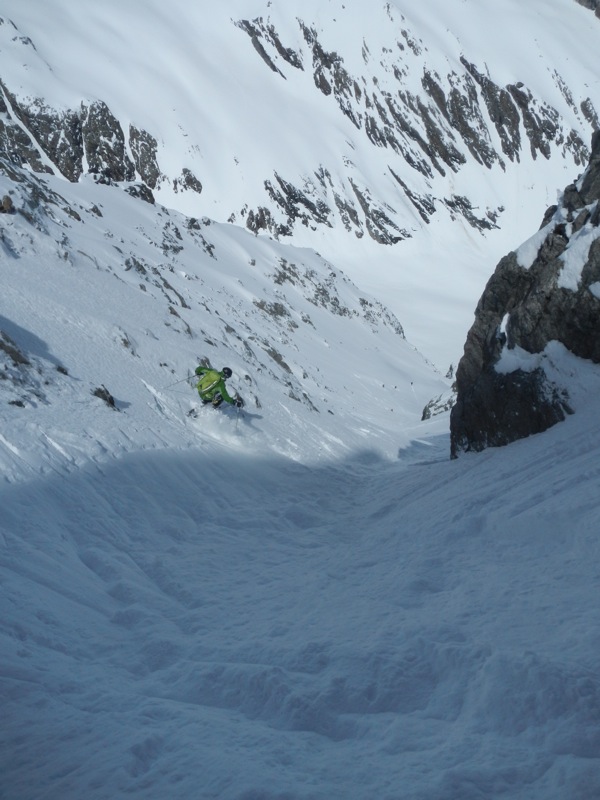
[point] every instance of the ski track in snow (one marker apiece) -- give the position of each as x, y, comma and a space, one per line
224, 623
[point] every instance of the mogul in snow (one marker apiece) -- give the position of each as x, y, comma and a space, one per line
211, 387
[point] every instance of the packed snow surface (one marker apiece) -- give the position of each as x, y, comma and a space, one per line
218, 622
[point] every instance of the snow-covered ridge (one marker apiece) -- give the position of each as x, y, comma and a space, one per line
419, 114
363, 132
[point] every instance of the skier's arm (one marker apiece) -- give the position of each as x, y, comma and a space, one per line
224, 393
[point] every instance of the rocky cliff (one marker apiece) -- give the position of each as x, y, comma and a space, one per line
546, 292
426, 126
432, 130
85, 139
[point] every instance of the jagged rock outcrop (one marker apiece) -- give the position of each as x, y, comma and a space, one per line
6, 205
24, 378
547, 291
434, 131
424, 124
87, 139
259, 32
104, 143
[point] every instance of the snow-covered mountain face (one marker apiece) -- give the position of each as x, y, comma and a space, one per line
104, 293
371, 133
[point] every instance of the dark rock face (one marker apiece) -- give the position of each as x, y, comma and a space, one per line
87, 139
6, 205
187, 181
142, 192
104, 144
260, 32
143, 149
527, 303
15, 145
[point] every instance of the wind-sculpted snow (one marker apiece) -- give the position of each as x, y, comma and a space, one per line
221, 624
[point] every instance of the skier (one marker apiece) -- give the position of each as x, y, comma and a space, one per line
211, 387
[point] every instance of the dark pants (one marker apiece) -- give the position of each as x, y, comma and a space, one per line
216, 400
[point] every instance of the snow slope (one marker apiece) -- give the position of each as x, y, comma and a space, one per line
290, 603
308, 599
191, 77
121, 294
216, 623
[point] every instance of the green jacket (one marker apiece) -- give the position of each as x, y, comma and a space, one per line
211, 383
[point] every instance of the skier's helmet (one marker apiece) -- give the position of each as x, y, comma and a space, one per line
226, 372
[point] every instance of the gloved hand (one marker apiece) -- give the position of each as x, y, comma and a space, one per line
239, 402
